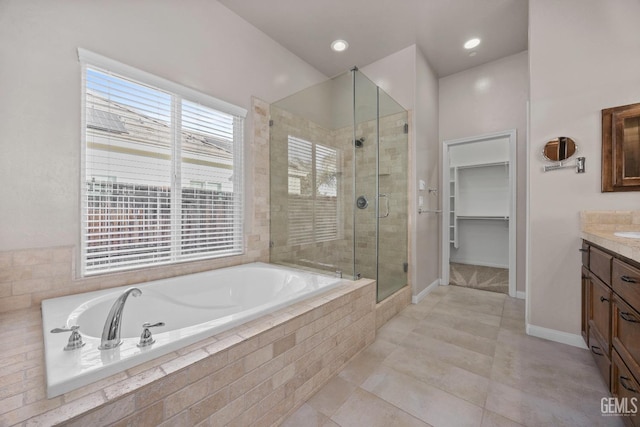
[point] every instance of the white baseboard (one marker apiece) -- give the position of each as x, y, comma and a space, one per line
417, 298
521, 295
557, 336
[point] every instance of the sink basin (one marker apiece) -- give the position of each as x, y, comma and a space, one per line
628, 234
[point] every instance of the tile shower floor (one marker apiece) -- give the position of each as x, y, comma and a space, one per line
461, 358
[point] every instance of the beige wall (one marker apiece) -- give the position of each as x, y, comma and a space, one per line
408, 78
426, 245
583, 58
492, 98
197, 43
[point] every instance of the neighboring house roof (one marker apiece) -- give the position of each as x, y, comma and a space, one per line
111, 119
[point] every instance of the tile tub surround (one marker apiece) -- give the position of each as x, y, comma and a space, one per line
31, 275
392, 305
461, 357
251, 375
598, 227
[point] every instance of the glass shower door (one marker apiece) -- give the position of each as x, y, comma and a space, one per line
381, 214
393, 195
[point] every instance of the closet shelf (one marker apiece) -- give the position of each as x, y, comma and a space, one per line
493, 217
482, 165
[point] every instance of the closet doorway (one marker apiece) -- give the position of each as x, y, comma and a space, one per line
479, 212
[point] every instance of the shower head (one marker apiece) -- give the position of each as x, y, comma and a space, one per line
359, 142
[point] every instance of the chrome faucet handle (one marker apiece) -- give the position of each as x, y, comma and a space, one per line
146, 339
75, 340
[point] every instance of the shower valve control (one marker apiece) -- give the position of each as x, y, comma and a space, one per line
146, 339
362, 202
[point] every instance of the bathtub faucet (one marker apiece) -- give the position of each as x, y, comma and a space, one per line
111, 330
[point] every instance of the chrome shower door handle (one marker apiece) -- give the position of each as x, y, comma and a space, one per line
386, 200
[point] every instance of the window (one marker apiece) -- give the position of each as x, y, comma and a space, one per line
313, 192
162, 171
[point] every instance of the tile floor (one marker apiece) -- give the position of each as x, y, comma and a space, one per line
460, 358
479, 277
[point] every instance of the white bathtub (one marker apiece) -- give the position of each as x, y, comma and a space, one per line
192, 307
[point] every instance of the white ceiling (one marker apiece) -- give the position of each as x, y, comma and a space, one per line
377, 28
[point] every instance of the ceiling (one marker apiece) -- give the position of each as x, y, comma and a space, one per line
377, 28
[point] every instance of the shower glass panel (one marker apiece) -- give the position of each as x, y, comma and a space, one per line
366, 173
311, 178
338, 168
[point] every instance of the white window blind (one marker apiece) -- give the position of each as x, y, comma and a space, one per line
161, 173
313, 192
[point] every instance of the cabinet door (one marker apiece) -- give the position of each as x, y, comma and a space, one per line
600, 311
585, 305
601, 357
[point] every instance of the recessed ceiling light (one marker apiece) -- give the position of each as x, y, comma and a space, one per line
339, 45
470, 44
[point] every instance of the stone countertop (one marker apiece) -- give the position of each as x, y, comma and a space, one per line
598, 227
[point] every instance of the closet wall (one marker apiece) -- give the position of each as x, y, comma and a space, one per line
479, 201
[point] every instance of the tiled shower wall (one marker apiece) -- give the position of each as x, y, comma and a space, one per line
338, 254
31, 275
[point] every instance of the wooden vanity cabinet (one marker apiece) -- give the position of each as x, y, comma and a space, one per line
611, 319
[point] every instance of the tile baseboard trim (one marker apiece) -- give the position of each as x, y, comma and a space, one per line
521, 295
415, 299
557, 336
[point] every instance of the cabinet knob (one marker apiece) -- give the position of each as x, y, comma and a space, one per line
583, 250
628, 279
596, 350
603, 299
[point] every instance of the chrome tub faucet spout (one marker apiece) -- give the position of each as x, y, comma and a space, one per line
111, 330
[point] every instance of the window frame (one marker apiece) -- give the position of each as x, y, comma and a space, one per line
178, 94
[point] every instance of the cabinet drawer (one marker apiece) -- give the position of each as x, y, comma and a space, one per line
624, 385
600, 264
626, 332
626, 282
601, 357
600, 310
585, 254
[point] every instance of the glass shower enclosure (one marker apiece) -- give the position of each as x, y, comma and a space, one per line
338, 181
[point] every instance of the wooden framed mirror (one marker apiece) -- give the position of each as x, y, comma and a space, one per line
621, 148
